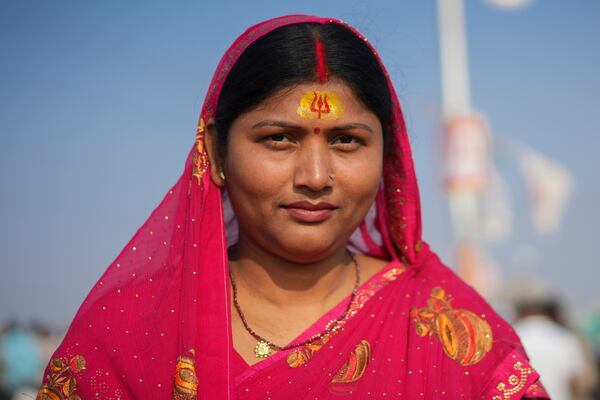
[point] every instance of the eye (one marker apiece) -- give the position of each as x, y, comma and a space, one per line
346, 139
347, 142
280, 137
278, 140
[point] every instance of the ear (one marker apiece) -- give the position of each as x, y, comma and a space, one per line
210, 142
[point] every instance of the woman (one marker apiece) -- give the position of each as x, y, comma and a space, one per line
287, 261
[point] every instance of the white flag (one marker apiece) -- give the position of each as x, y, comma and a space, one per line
549, 186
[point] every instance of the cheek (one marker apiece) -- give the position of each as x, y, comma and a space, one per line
361, 180
253, 182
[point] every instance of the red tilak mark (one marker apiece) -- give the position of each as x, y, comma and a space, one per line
317, 130
322, 71
319, 105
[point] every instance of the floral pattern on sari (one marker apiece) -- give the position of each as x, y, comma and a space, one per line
466, 338
61, 383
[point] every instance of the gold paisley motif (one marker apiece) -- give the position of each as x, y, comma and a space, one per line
200, 158
356, 365
300, 356
465, 337
60, 382
185, 385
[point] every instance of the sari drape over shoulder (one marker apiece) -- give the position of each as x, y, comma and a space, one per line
157, 323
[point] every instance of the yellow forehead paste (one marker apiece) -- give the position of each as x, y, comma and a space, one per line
320, 105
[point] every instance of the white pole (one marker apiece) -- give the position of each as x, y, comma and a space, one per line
460, 139
454, 61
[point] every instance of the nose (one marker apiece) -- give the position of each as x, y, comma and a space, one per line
313, 167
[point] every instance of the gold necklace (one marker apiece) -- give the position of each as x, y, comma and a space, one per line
264, 348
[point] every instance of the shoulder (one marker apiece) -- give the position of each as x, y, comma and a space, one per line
432, 274
473, 336
436, 287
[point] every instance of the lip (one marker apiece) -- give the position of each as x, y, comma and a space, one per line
305, 211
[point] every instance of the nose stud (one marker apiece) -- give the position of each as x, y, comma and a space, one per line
332, 177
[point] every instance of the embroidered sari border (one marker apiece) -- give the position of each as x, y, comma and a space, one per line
515, 378
365, 292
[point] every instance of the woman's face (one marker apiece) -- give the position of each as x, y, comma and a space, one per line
302, 174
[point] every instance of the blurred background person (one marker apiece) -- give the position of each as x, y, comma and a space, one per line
21, 360
48, 340
591, 330
555, 350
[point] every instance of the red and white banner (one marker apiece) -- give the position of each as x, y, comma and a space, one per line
467, 153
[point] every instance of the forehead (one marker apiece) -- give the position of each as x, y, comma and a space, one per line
285, 103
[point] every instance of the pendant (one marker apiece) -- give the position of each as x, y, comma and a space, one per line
262, 349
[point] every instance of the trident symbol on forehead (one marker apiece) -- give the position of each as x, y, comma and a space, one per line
319, 104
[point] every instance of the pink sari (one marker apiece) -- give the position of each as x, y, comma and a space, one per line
157, 323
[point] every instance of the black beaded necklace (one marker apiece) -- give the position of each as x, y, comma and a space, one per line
264, 347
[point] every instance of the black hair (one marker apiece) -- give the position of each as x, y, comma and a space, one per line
549, 307
287, 57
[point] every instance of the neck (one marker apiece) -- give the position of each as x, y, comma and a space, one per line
282, 283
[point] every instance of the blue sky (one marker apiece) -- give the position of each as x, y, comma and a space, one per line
99, 101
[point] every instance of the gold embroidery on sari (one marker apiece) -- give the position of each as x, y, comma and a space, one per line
395, 207
392, 274
200, 158
418, 246
186, 382
465, 337
515, 383
300, 356
61, 385
356, 365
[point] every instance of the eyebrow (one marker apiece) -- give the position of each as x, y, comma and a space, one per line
355, 125
283, 124
278, 123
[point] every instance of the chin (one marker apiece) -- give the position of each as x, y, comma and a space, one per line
305, 248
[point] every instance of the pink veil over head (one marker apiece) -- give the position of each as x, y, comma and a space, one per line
157, 323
